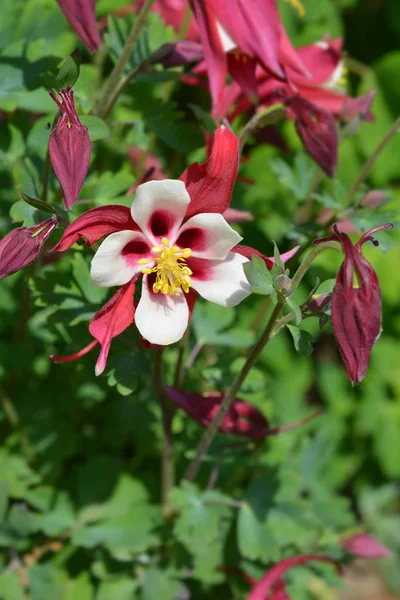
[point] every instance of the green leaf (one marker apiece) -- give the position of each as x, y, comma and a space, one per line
69, 70
81, 272
10, 587
211, 324
160, 584
296, 309
121, 589
202, 527
204, 117
259, 276
98, 129
154, 35
302, 340
39, 204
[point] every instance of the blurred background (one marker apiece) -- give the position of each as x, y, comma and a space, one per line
79, 455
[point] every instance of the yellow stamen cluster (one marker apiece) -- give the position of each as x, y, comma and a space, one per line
343, 79
239, 55
172, 274
297, 5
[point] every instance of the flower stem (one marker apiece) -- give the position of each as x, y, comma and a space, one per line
108, 93
167, 459
212, 430
370, 163
270, 116
305, 265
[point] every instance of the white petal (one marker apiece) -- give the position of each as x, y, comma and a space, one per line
115, 262
159, 208
161, 319
208, 235
228, 43
224, 281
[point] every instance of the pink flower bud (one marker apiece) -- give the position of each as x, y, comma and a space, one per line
177, 54
69, 148
81, 15
22, 246
364, 546
356, 305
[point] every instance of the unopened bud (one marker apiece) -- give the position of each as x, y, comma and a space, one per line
81, 15
283, 284
319, 302
69, 148
22, 246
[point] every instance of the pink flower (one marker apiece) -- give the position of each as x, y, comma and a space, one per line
69, 148
242, 419
238, 38
22, 246
81, 15
356, 305
176, 238
364, 546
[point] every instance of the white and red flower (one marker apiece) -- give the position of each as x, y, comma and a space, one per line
177, 240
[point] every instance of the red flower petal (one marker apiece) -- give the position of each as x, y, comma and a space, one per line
82, 17
210, 184
96, 224
111, 320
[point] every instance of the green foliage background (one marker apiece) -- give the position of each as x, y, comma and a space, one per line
79, 457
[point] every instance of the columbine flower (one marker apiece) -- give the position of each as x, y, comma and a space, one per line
356, 304
69, 148
22, 246
314, 100
235, 41
81, 15
177, 240
242, 419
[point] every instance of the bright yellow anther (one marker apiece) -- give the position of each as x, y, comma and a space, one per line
296, 4
172, 273
143, 261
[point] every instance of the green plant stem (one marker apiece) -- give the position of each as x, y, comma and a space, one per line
305, 265
370, 163
108, 93
270, 116
212, 430
167, 458
13, 418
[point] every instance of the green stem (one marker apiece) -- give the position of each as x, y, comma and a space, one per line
230, 395
14, 420
311, 256
108, 93
370, 163
270, 116
167, 458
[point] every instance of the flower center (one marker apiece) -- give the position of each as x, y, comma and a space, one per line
171, 270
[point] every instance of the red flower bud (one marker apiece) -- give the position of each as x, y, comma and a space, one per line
356, 305
69, 148
81, 15
242, 418
22, 246
317, 130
